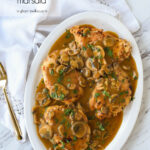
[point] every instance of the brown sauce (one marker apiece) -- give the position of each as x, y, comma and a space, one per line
112, 124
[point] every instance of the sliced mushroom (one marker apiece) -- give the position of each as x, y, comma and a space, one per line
61, 130
92, 64
58, 92
76, 62
94, 144
73, 45
51, 60
42, 99
82, 81
109, 41
91, 81
73, 52
79, 129
96, 74
104, 110
100, 86
51, 114
40, 96
97, 132
126, 67
48, 116
46, 131
64, 57
99, 52
73, 49
86, 72
113, 97
61, 68
35, 111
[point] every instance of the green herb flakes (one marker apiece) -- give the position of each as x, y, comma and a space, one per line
97, 94
109, 51
91, 46
84, 48
74, 138
54, 95
62, 96
86, 33
100, 126
67, 111
75, 91
68, 34
106, 93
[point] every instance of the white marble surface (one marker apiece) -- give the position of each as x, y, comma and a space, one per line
140, 137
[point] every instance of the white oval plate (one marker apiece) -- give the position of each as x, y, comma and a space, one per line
99, 20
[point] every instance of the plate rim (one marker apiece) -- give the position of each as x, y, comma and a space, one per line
45, 45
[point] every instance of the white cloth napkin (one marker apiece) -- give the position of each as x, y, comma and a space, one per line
22, 33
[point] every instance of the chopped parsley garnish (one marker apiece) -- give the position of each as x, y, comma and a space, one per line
55, 145
114, 75
123, 80
122, 100
75, 91
68, 34
60, 78
65, 134
89, 148
99, 57
56, 120
123, 92
68, 125
68, 85
68, 80
54, 95
100, 126
84, 48
45, 91
91, 46
106, 93
68, 111
63, 145
97, 94
109, 51
135, 78
86, 33
74, 138
42, 81
52, 71
61, 72
56, 88
63, 121
62, 96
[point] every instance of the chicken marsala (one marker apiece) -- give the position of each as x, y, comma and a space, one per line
89, 77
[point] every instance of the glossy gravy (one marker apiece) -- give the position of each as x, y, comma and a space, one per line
110, 125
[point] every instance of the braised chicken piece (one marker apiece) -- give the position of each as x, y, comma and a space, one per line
117, 48
66, 127
63, 81
85, 35
111, 93
122, 50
